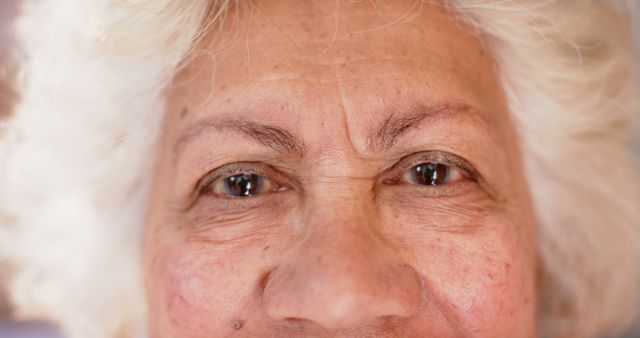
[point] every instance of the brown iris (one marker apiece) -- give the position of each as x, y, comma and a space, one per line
243, 185
430, 174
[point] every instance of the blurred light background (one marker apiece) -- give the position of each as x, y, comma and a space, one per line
13, 329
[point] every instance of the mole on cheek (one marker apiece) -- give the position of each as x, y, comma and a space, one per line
237, 325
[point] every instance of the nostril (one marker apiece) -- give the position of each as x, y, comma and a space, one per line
297, 322
293, 320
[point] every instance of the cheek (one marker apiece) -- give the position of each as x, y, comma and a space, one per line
482, 281
488, 287
196, 293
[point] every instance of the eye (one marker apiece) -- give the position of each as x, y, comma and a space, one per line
241, 186
243, 180
432, 173
430, 169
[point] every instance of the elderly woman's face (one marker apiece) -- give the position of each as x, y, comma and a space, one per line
345, 171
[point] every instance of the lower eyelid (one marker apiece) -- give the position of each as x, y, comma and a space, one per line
450, 190
213, 209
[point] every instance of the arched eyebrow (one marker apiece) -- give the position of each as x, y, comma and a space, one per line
400, 121
279, 139
274, 137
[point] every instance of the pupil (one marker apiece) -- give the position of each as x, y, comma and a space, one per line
242, 185
431, 174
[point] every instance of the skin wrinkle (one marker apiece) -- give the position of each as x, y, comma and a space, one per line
343, 104
204, 219
291, 40
286, 262
283, 141
297, 81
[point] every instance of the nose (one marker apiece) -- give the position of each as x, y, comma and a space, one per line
342, 275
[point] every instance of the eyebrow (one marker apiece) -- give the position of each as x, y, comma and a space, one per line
384, 137
271, 136
397, 125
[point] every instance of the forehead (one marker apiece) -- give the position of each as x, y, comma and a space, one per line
309, 63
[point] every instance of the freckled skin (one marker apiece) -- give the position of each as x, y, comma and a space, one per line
338, 253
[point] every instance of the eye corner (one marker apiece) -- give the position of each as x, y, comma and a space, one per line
390, 180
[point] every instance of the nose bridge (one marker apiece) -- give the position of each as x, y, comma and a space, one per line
341, 217
341, 192
345, 205
342, 241
342, 274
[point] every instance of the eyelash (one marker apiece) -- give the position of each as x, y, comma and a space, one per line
393, 174
390, 176
256, 168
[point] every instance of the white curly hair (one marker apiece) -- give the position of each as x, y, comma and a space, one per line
77, 148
